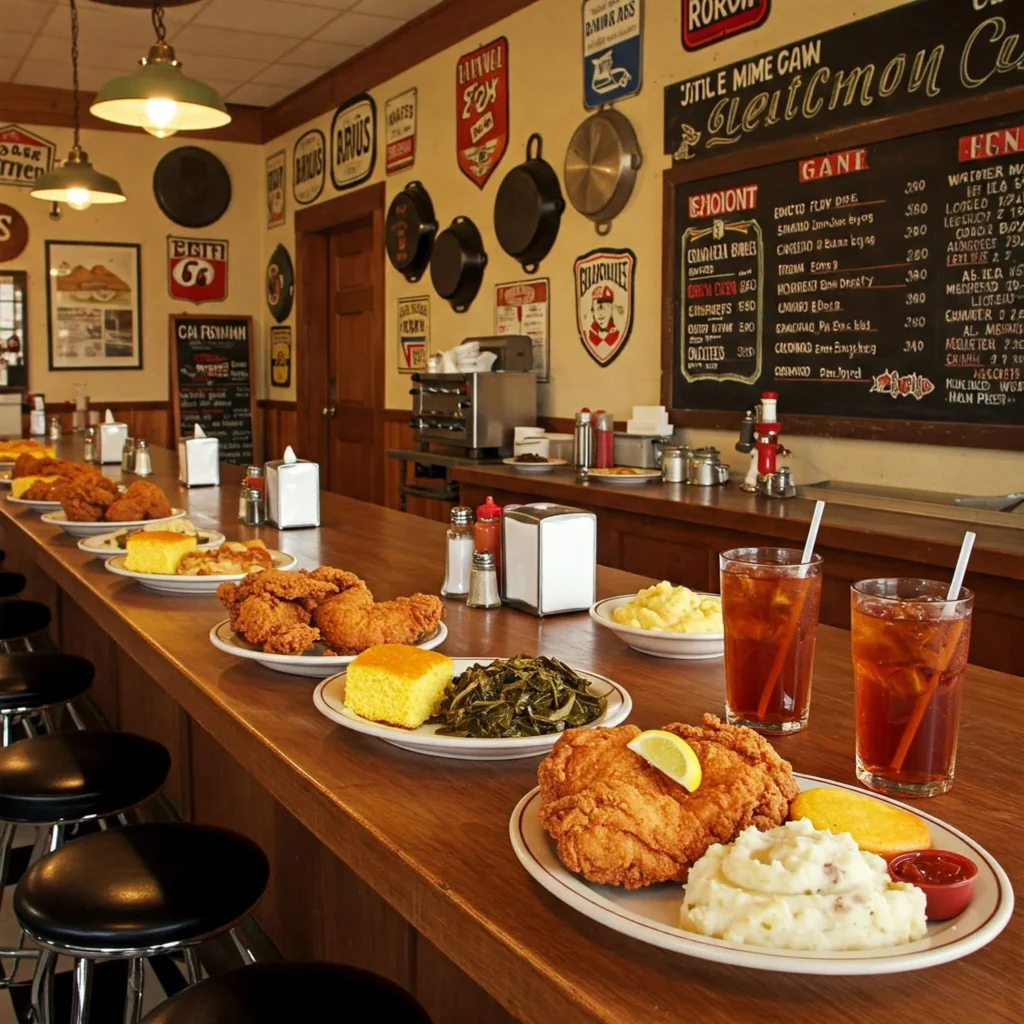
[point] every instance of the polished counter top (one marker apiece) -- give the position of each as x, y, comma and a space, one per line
431, 835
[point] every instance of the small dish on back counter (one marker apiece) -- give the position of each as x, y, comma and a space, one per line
624, 476
533, 463
661, 643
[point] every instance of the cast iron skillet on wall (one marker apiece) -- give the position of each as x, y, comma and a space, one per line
528, 208
409, 231
457, 263
192, 187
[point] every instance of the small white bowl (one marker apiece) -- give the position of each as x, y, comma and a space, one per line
682, 646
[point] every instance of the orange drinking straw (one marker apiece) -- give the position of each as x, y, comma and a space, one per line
943, 661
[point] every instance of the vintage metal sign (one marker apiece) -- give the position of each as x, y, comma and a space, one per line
276, 164
708, 21
604, 301
280, 284
481, 110
353, 142
13, 233
400, 132
612, 50
280, 356
197, 269
524, 307
906, 59
309, 166
23, 156
413, 333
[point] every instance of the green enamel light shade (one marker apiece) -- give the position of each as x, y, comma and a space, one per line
76, 176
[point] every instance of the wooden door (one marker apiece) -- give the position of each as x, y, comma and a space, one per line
340, 284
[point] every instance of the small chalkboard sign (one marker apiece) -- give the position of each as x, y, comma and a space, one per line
211, 381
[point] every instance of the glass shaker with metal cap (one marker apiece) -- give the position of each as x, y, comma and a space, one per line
89, 453
583, 442
128, 455
483, 582
143, 461
459, 553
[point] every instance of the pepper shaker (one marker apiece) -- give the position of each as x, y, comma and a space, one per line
128, 455
483, 582
89, 454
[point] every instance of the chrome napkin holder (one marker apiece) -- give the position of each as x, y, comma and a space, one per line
293, 492
199, 460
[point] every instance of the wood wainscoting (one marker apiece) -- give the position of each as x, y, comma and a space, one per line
278, 426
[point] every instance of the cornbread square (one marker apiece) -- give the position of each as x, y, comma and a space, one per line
157, 551
24, 483
397, 685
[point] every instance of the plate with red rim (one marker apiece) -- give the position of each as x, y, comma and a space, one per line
650, 915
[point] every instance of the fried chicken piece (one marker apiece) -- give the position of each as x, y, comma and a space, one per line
142, 500
87, 497
292, 641
619, 821
352, 621
41, 490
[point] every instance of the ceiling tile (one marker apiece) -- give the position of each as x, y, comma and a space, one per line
30, 16
258, 95
14, 44
93, 79
7, 67
271, 16
288, 75
404, 9
227, 69
50, 48
99, 24
44, 72
229, 42
322, 56
357, 29
335, 5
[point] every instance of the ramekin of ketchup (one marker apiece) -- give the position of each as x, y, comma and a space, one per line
946, 878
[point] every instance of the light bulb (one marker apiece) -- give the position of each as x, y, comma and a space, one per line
79, 198
161, 117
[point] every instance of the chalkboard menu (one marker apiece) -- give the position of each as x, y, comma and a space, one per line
882, 281
211, 375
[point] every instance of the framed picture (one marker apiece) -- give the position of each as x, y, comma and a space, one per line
13, 330
94, 305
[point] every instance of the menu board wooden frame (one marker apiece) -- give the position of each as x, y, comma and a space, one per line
970, 435
175, 394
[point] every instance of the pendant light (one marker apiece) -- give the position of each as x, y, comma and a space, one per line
159, 97
76, 182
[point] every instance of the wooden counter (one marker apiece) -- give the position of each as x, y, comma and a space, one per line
402, 863
677, 532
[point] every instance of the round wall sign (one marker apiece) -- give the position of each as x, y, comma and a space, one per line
192, 187
280, 284
13, 233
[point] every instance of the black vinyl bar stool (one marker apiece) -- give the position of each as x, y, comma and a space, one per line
34, 682
132, 893
53, 781
11, 583
21, 622
287, 993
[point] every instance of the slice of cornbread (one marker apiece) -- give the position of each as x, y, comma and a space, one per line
157, 551
23, 483
397, 685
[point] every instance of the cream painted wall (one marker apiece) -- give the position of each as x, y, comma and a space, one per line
131, 157
545, 96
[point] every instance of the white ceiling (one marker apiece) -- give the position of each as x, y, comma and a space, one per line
251, 51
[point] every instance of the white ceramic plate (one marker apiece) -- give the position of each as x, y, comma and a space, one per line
97, 529
641, 476
315, 663
329, 698
168, 584
36, 506
684, 646
650, 915
5, 476
534, 467
105, 545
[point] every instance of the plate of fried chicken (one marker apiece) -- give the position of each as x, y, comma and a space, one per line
311, 622
91, 502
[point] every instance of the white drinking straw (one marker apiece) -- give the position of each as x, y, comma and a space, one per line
812, 533
961, 566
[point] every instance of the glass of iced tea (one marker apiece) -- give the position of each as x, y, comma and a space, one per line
770, 602
909, 647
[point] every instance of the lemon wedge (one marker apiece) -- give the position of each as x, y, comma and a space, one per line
669, 754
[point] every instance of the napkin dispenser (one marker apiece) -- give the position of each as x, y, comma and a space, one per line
293, 491
549, 558
199, 460
110, 440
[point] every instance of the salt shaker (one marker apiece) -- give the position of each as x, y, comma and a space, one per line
128, 455
143, 460
54, 432
483, 582
583, 442
459, 554
253, 506
89, 453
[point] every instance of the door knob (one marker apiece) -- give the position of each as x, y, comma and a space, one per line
329, 410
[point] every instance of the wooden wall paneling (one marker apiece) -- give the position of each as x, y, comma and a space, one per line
79, 635
146, 709
279, 427
449, 995
398, 434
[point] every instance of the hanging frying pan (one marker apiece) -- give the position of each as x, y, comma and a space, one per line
528, 208
457, 263
280, 284
192, 187
409, 231
600, 166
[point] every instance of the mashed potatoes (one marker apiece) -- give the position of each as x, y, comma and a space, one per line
794, 887
671, 609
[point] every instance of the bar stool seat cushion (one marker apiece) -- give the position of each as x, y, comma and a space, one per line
275, 993
67, 776
141, 886
11, 583
22, 618
39, 679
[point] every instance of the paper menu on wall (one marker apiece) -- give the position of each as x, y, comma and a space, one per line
524, 307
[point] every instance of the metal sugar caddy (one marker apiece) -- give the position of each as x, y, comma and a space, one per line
549, 558
199, 460
293, 491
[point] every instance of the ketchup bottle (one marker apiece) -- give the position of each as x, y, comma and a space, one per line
604, 439
487, 532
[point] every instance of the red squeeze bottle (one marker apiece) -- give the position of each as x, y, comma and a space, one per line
487, 532
604, 440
